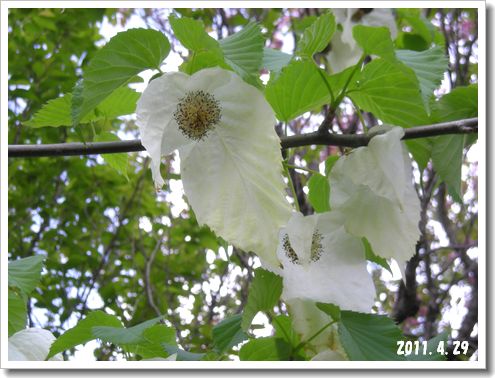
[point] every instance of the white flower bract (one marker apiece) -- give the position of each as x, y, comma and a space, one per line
231, 164
372, 187
323, 263
31, 344
345, 52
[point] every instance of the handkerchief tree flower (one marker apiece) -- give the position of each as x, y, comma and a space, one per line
230, 155
323, 263
373, 188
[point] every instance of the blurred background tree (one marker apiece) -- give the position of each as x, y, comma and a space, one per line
111, 243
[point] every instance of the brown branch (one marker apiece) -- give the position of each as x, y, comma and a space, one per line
464, 126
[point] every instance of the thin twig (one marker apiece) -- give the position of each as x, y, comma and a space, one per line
464, 126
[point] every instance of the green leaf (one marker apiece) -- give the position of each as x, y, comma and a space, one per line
264, 293
431, 349
429, 67
274, 60
461, 103
447, 160
154, 337
284, 330
121, 102
265, 349
243, 51
369, 337
319, 193
317, 36
228, 333
183, 355
330, 309
447, 150
17, 312
421, 150
298, 88
54, 113
82, 332
204, 59
191, 33
329, 163
123, 57
391, 93
57, 112
119, 162
375, 40
123, 336
373, 257
25, 273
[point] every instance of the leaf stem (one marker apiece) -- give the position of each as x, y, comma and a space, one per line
327, 85
348, 81
303, 343
291, 185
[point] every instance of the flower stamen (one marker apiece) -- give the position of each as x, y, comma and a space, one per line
197, 113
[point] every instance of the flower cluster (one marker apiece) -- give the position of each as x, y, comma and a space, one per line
231, 171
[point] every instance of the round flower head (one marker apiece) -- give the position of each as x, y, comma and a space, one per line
323, 263
31, 344
372, 187
231, 164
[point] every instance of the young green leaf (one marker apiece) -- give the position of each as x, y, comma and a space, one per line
81, 333
371, 256
447, 150
375, 40
123, 336
284, 330
317, 36
264, 293
119, 162
421, 150
429, 67
243, 51
447, 160
369, 337
122, 58
391, 93
17, 314
228, 333
25, 273
265, 349
191, 33
183, 355
297, 89
153, 338
330, 309
274, 60
319, 193
57, 112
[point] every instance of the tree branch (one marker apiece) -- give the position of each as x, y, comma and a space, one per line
464, 126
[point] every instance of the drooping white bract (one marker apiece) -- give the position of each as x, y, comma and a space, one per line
307, 321
345, 52
323, 263
31, 344
373, 188
230, 155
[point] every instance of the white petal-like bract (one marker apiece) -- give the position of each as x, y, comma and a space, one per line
345, 52
373, 188
232, 173
31, 344
327, 264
